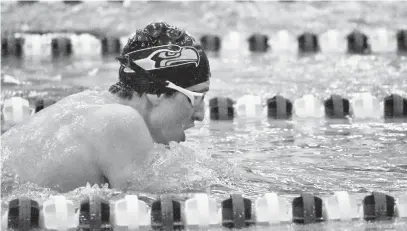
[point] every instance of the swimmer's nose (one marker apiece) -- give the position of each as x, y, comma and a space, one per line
199, 113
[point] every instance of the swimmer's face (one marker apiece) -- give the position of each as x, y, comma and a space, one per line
174, 114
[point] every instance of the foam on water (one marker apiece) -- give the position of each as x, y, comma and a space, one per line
174, 169
179, 168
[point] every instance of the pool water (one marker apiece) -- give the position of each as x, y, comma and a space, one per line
258, 155
255, 155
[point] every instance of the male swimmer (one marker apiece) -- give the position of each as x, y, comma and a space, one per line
102, 137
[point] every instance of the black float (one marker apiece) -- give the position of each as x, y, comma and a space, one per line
395, 107
258, 43
279, 107
43, 103
166, 214
72, 2
94, 214
61, 47
211, 43
308, 43
307, 209
23, 214
402, 41
12, 45
110, 46
378, 206
221, 108
237, 212
358, 43
337, 107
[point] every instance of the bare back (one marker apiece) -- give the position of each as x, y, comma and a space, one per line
82, 138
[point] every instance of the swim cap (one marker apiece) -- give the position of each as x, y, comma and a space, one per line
161, 52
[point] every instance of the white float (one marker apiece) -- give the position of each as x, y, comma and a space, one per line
201, 212
272, 209
16, 110
132, 213
59, 214
365, 105
308, 106
341, 206
249, 106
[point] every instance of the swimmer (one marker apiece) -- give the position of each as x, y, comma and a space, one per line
104, 136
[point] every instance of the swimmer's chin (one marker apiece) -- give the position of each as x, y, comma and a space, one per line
181, 138
178, 139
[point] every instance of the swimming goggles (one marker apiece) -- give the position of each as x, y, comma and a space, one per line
194, 97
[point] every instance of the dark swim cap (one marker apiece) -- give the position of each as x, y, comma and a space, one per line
161, 52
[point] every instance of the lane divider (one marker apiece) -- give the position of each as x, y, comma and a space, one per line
37, 43
200, 212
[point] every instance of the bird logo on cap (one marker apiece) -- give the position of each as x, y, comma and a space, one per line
164, 56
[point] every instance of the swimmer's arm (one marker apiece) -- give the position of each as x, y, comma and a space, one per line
127, 141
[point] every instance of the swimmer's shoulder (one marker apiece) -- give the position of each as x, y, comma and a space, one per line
115, 111
119, 117
85, 98
120, 126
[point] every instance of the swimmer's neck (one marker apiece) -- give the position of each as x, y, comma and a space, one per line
139, 103
144, 105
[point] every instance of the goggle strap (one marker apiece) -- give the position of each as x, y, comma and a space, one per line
180, 89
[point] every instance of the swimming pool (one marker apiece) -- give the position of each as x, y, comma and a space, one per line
256, 155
